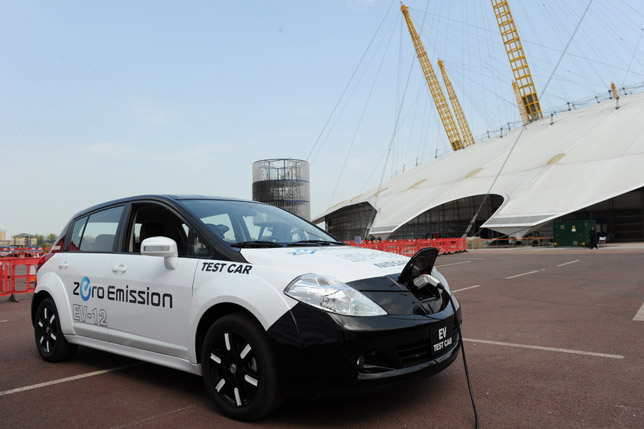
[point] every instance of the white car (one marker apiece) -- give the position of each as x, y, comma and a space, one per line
261, 303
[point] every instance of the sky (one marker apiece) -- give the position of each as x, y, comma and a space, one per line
106, 99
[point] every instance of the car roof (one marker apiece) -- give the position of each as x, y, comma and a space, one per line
172, 199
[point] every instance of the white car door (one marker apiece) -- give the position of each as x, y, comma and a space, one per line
83, 271
149, 303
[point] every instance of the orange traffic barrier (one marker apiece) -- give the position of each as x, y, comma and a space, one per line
12, 272
410, 247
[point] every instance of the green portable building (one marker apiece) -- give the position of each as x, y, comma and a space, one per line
572, 232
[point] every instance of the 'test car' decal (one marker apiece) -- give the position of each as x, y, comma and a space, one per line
225, 267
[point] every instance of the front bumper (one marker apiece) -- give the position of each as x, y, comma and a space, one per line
325, 354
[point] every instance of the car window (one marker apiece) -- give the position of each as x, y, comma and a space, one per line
221, 226
152, 220
100, 231
241, 221
77, 234
198, 245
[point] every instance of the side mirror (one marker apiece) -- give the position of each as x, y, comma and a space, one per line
164, 247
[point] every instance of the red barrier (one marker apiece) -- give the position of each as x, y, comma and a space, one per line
410, 247
11, 271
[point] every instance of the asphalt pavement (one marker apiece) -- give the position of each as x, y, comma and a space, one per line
553, 337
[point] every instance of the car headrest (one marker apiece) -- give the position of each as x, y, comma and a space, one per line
103, 243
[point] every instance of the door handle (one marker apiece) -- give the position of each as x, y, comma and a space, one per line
63, 265
120, 268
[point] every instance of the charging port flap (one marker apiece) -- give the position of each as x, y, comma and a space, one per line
421, 263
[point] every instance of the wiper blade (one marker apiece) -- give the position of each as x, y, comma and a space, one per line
257, 243
318, 242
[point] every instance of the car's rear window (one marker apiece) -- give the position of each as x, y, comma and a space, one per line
97, 232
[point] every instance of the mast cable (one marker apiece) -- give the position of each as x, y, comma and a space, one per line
633, 57
396, 123
349, 83
523, 128
355, 134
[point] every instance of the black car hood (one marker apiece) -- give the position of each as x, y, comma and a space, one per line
395, 298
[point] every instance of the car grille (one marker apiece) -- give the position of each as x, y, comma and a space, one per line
419, 352
414, 353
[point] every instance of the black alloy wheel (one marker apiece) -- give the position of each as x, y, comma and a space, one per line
239, 368
50, 341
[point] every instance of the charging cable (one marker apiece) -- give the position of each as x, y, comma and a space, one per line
424, 280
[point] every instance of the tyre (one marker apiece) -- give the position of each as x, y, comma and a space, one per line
50, 341
239, 368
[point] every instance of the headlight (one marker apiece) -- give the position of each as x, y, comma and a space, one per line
442, 279
329, 294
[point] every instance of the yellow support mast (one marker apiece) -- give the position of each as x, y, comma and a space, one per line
522, 111
434, 87
615, 94
460, 117
518, 62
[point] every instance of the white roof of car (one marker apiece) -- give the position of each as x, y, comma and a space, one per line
587, 156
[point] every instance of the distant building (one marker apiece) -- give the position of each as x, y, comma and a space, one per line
24, 240
283, 183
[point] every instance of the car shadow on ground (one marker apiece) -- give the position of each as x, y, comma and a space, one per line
347, 411
358, 410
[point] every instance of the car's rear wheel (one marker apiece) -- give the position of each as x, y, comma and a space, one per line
239, 368
50, 341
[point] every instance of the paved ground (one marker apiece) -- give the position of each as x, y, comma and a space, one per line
552, 340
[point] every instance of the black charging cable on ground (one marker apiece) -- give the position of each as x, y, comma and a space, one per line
424, 280
467, 373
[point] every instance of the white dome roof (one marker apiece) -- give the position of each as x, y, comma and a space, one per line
587, 156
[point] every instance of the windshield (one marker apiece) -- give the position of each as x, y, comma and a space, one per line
249, 224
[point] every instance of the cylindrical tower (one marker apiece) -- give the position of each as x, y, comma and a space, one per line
283, 183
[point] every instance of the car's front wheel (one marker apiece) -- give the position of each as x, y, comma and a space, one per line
239, 368
50, 341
